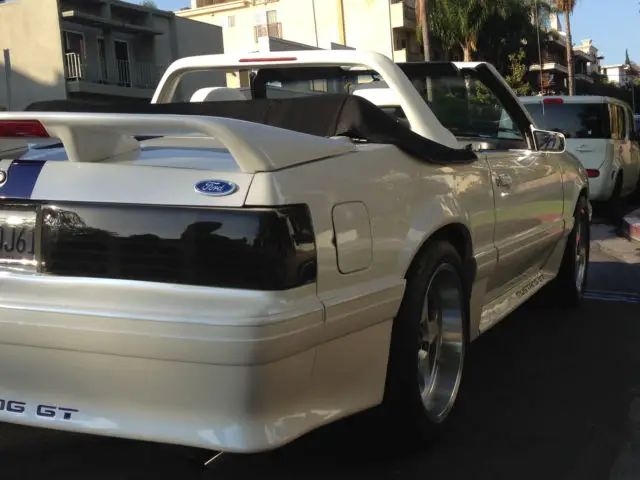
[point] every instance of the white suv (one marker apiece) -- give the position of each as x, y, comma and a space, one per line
601, 133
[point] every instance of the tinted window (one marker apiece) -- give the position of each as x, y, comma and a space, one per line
575, 120
464, 105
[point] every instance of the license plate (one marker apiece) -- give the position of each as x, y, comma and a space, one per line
18, 239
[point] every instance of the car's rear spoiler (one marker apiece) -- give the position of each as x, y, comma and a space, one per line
97, 137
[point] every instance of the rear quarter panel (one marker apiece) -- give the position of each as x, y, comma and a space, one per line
406, 200
575, 181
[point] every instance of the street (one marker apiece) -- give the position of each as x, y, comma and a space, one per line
548, 395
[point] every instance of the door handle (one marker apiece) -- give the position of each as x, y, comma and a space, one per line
503, 180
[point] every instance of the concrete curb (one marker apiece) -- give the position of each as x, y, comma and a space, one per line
631, 225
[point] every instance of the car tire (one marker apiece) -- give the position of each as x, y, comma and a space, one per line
570, 284
425, 369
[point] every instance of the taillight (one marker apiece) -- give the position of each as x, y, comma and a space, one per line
244, 248
591, 173
22, 128
267, 59
553, 100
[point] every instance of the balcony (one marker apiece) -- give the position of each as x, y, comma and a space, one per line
120, 77
403, 16
267, 30
406, 55
209, 3
583, 77
96, 21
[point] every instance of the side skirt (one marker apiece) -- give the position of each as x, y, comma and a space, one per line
502, 306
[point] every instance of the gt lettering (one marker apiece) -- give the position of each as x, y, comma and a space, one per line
42, 410
51, 411
12, 406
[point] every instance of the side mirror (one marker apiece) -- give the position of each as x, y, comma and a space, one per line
546, 141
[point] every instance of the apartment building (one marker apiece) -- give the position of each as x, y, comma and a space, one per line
98, 50
385, 26
622, 73
554, 76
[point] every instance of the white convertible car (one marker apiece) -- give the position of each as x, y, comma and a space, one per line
231, 273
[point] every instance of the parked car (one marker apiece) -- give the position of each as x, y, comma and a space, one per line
233, 274
600, 131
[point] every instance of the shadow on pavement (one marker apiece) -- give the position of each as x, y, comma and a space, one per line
547, 396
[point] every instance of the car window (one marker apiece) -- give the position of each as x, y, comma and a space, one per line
628, 122
464, 105
574, 120
469, 109
617, 121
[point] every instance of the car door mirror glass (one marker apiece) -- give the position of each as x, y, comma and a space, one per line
547, 141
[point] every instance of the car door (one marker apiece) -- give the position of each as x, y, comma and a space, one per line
528, 196
529, 204
620, 144
630, 152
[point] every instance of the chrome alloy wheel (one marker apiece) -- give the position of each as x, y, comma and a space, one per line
581, 248
442, 342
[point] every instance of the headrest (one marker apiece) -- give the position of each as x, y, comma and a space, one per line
382, 97
217, 94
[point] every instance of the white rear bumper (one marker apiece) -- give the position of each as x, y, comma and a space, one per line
229, 370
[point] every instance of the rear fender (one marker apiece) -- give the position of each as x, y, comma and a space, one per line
438, 212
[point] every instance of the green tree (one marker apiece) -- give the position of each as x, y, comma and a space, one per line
517, 76
149, 4
460, 22
500, 37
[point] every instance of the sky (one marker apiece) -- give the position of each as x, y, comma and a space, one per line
611, 37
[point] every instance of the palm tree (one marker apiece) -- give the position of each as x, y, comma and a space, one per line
459, 22
566, 8
424, 20
501, 36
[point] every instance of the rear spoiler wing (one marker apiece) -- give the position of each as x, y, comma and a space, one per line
96, 137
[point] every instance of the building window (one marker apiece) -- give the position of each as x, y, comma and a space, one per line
74, 55
266, 18
267, 25
74, 43
229, 22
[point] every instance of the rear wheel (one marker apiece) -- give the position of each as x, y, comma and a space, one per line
428, 345
571, 282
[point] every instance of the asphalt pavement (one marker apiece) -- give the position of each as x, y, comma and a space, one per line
548, 394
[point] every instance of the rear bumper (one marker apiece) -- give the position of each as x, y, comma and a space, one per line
229, 370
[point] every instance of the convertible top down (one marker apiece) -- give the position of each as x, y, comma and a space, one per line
231, 274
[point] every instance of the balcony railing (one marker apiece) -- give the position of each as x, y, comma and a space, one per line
403, 15
209, 3
121, 73
267, 30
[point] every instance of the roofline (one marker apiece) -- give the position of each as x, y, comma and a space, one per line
574, 99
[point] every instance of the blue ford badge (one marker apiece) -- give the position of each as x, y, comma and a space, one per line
216, 188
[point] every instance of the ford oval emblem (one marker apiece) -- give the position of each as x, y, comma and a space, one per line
216, 188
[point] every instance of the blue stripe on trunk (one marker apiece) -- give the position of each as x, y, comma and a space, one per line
21, 179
